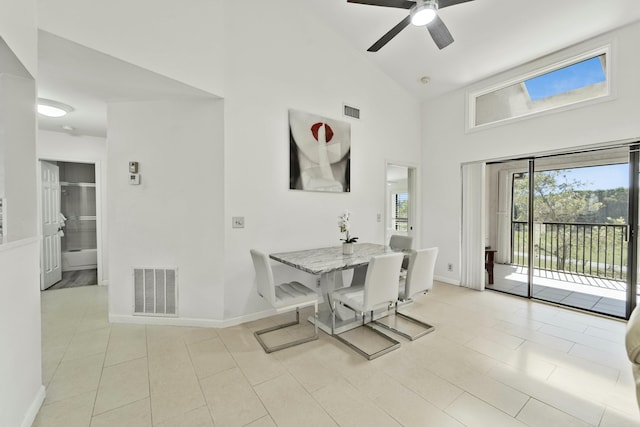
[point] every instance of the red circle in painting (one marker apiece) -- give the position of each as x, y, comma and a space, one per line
328, 132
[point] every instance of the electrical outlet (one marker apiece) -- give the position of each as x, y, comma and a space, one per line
450, 267
379, 217
237, 222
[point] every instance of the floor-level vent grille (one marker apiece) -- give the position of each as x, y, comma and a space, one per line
155, 291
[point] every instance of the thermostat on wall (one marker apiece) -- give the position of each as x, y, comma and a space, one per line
134, 178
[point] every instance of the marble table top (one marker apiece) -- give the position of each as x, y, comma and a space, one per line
325, 260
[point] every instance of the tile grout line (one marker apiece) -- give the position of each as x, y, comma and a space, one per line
95, 399
309, 393
204, 397
247, 379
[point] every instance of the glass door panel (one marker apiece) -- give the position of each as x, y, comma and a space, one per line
507, 237
634, 206
580, 228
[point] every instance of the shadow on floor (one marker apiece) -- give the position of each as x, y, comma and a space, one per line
74, 279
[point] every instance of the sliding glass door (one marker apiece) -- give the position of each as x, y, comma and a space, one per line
571, 233
580, 229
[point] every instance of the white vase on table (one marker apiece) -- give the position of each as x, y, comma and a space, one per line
347, 248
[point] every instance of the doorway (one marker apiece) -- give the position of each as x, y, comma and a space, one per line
401, 201
561, 227
77, 220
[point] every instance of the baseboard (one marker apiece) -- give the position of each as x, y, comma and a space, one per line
34, 408
186, 321
447, 280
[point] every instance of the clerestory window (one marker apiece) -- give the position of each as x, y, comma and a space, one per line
566, 83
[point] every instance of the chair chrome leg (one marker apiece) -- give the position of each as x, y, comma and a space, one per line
427, 328
267, 349
333, 318
315, 319
369, 356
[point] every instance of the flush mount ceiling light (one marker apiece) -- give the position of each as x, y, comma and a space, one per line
424, 12
50, 108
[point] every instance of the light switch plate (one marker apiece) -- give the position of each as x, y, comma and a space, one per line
237, 222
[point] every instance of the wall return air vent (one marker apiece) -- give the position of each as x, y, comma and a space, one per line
155, 292
350, 111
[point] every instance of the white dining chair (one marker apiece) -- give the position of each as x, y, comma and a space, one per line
283, 297
419, 280
380, 290
396, 242
404, 243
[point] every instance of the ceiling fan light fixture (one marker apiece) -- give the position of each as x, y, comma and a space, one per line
55, 109
423, 12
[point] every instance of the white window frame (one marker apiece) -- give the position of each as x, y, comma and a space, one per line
474, 95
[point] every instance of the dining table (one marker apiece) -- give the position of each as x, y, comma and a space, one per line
328, 264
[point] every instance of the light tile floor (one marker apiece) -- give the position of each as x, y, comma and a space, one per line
493, 360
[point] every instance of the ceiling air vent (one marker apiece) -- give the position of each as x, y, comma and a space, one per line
350, 111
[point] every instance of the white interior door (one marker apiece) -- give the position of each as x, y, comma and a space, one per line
51, 270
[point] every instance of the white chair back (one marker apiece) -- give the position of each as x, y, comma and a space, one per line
381, 283
400, 242
420, 272
264, 276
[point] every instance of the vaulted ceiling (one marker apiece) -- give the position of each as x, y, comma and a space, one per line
490, 36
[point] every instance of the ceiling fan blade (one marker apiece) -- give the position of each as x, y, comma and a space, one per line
391, 34
439, 33
447, 3
401, 4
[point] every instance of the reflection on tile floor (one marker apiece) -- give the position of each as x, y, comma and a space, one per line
493, 360
598, 295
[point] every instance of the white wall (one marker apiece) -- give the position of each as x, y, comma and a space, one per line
17, 120
18, 29
81, 149
21, 390
181, 40
174, 218
279, 57
270, 57
447, 146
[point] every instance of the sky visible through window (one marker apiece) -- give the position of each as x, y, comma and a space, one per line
582, 74
601, 177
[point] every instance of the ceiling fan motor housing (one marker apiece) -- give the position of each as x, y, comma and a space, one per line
423, 12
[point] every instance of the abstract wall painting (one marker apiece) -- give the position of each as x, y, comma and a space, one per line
320, 153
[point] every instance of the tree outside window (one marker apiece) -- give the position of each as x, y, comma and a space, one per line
400, 214
575, 229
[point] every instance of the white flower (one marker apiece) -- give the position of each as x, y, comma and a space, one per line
345, 226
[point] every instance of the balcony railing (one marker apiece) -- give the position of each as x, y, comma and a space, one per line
400, 224
598, 250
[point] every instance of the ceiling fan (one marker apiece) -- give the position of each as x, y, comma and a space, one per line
421, 12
